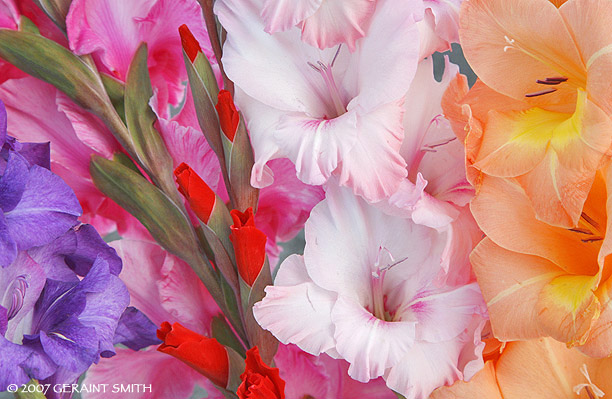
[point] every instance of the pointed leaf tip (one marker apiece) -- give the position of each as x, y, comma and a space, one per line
189, 42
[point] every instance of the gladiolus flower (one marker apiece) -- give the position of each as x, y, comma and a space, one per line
544, 108
259, 381
228, 115
536, 369
205, 355
189, 42
201, 198
249, 245
540, 280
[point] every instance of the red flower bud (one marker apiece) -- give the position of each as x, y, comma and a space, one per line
228, 115
249, 245
207, 356
189, 42
260, 381
201, 198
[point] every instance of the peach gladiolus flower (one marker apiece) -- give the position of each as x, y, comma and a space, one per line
540, 280
536, 369
545, 99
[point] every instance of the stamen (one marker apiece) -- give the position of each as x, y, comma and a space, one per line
581, 231
592, 239
552, 81
591, 389
540, 93
335, 56
589, 220
310, 64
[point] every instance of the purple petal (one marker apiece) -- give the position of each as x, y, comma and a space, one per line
135, 330
36, 153
71, 345
48, 208
90, 246
13, 182
18, 364
8, 246
3, 320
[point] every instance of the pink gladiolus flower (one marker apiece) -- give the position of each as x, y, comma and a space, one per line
439, 27
368, 290
112, 30
331, 112
165, 289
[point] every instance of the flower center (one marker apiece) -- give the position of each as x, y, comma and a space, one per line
328, 77
384, 262
17, 292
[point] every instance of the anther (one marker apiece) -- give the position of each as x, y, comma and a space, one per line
592, 239
313, 66
589, 220
552, 81
540, 93
581, 231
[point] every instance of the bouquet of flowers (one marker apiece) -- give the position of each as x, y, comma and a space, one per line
306, 199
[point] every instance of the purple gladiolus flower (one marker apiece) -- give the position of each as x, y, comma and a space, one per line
61, 300
36, 206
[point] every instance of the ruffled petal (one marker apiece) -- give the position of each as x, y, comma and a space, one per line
299, 313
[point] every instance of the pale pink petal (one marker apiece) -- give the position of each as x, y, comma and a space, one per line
280, 15
392, 24
424, 368
345, 234
444, 316
373, 166
166, 376
321, 146
447, 18
375, 345
338, 22
300, 313
272, 68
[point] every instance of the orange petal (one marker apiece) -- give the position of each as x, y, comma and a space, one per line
504, 213
599, 340
482, 385
589, 21
511, 284
541, 369
567, 308
511, 44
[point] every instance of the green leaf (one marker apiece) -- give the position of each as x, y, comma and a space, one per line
147, 143
116, 92
239, 156
54, 64
205, 110
223, 333
56, 10
162, 218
